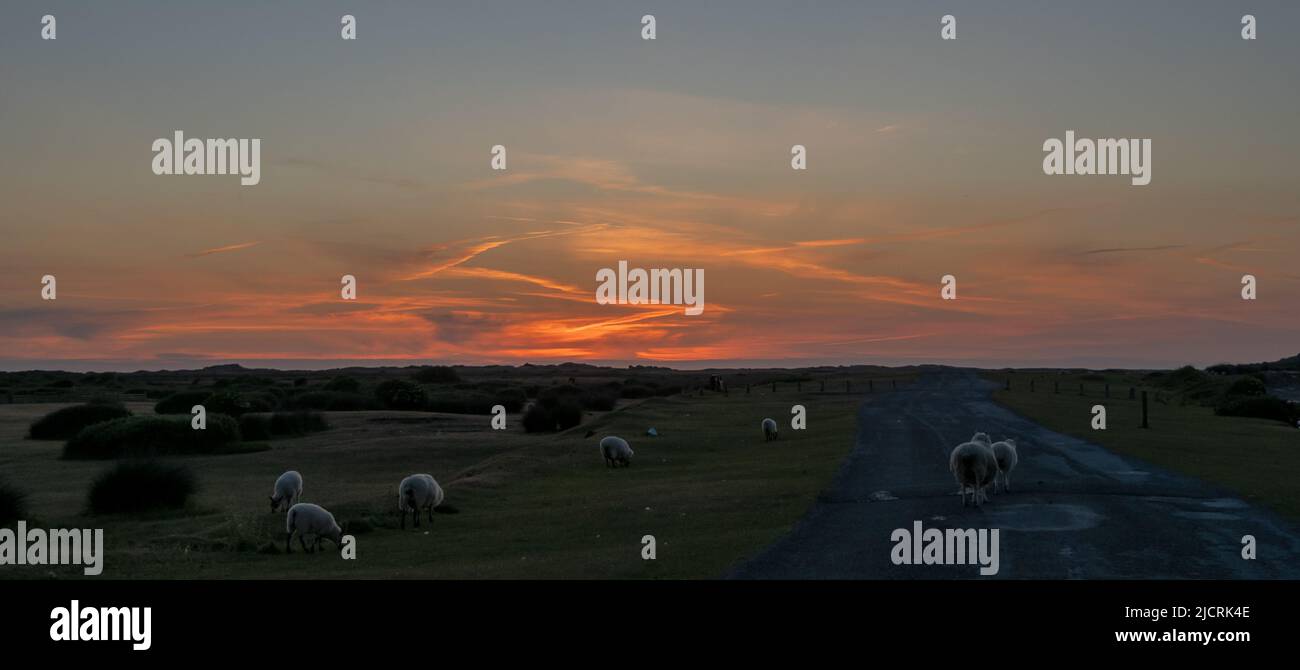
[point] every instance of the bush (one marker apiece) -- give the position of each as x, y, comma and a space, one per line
133, 487
13, 504
151, 435
538, 419
1266, 407
463, 402
181, 402
333, 401
343, 384
1246, 387
634, 392
237, 404
567, 414
436, 374
280, 424
401, 394
62, 424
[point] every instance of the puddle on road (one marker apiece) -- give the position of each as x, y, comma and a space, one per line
1043, 518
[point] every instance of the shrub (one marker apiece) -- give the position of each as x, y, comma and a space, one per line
463, 402
181, 402
1246, 387
301, 381
13, 504
62, 424
237, 404
401, 394
280, 424
567, 414
343, 384
636, 392
538, 419
1265, 407
151, 435
140, 486
436, 374
333, 401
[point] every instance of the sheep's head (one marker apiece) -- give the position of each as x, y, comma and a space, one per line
981, 437
275, 503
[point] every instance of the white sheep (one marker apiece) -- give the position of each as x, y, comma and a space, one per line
288, 490
419, 492
982, 438
616, 451
974, 465
1005, 453
769, 430
308, 519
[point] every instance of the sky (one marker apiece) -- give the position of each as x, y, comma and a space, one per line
924, 160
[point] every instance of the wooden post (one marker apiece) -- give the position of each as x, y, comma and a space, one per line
1008, 383
1058, 387
773, 387
895, 383
1144, 410
871, 386
1108, 390
1131, 393
746, 389
1031, 386
823, 384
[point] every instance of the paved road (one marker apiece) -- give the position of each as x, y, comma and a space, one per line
1077, 511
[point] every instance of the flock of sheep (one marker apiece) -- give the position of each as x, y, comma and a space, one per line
415, 494
979, 464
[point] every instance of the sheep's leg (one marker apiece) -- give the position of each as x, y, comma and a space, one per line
415, 514
1006, 481
288, 546
303, 542
403, 513
430, 513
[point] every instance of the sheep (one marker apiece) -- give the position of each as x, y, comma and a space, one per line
1005, 453
982, 438
974, 465
420, 492
288, 490
616, 451
769, 430
308, 519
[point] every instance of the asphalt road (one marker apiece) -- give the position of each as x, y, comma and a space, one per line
1076, 511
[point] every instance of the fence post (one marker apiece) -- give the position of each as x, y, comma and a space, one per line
823, 384
773, 387
1008, 383
1132, 393
871, 386
1031, 386
1144, 410
1108, 390
1058, 387
746, 389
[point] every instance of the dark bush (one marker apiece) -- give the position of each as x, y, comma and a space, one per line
237, 403
62, 424
343, 384
280, 424
464, 402
1266, 407
181, 402
538, 419
401, 394
151, 435
301, 381
13, 504
567, 414
141, 486
634, 392
436, 374
333, 401
1246, 387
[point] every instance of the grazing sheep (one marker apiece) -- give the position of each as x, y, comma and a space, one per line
616, 451
974, 465
308, 519
769, 430
288, 490
1005, 453
420, 492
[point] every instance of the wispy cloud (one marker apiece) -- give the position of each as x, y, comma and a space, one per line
225, 249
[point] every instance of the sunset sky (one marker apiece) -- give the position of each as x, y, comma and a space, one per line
925, 159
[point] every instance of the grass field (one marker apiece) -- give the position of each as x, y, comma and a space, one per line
1256, 458
708, 488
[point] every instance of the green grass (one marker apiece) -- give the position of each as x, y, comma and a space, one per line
708, 488
1257, 458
